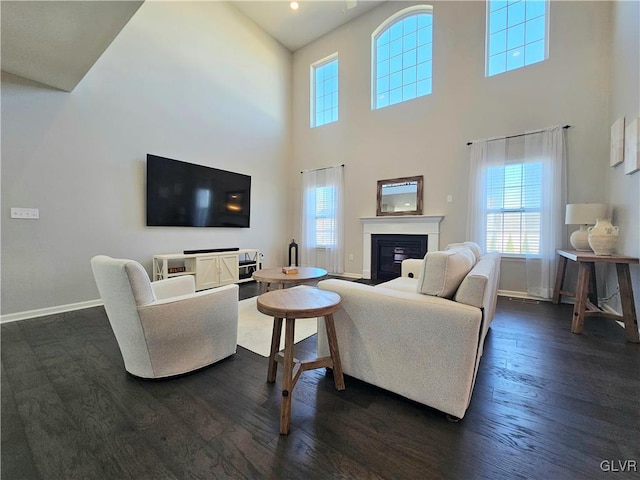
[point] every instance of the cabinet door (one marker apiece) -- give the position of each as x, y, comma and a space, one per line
206, 272
228, 269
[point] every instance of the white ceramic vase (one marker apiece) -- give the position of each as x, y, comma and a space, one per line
603, 237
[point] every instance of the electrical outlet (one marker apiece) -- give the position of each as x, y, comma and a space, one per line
25, 213
449, 198
351, 257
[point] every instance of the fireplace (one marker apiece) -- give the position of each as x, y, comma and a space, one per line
425, 225
388, 252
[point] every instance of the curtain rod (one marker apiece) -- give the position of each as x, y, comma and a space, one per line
323, 168
515, 136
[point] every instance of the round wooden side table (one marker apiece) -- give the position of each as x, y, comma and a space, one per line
275, 276
289, 304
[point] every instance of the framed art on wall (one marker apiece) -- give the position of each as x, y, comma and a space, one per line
617, 142
631, 147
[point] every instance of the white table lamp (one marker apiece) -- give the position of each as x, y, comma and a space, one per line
583, 214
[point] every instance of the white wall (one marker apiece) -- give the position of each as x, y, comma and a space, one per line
201, 83
428, 136
624, 190
194, 81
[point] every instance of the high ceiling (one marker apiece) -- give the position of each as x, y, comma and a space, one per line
56, 42
313, 19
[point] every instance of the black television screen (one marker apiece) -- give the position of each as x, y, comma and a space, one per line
181, 194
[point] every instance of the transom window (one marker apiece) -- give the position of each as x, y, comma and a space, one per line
402, 57
516, 34
324, 91
514, 201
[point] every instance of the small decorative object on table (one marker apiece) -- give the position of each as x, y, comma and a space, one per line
603, 237
585, 215
293, 249
290, 270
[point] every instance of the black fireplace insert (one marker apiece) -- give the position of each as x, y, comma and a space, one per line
389, 250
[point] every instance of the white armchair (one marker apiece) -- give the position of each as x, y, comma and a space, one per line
165, 328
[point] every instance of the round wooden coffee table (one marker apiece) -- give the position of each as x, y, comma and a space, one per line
292, 303
275, 276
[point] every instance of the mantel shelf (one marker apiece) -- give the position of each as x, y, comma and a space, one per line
403, 219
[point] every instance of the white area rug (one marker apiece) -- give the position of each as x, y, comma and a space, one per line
255, 328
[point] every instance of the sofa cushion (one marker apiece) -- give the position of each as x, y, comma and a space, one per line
401, 284
473, 246
443, 271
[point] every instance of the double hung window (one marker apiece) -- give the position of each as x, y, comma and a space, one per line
514, 200
325, 215
517, 193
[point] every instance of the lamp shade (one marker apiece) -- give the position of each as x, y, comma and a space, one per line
584, 213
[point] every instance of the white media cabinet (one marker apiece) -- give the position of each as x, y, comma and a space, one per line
212, 269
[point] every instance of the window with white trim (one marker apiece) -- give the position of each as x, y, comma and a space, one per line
324, 91
402, 60
517, 34
514, 202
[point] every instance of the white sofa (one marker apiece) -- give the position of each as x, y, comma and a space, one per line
424, 347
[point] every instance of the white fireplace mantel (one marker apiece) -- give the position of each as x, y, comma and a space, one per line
398, 225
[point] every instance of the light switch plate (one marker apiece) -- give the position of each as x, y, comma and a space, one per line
25, 213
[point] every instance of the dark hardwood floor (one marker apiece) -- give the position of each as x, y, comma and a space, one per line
547, 404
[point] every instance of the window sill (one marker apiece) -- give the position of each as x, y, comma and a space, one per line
518, 258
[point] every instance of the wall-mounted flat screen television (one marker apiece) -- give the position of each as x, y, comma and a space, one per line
181, 194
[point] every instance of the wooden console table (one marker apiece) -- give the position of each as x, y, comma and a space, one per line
586, 294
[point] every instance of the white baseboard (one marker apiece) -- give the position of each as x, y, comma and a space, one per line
523, 295
354, 276
42, 312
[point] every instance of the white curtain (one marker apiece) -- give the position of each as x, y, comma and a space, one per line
548, 149
484, 154
322, 243
549, 146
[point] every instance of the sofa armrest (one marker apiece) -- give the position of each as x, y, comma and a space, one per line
214, 294
411, 267
172, 287
419, 346
190, 330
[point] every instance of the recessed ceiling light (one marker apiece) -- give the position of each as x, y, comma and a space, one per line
294, 5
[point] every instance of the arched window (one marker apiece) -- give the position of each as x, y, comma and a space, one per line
402, 57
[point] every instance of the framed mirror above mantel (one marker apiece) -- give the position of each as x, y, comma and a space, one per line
400, 196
